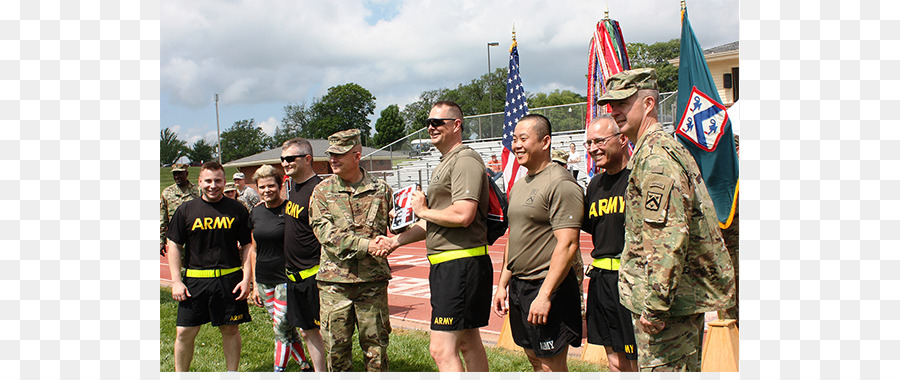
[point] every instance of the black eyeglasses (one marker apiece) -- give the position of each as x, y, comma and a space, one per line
600, 141
437, 122
292, 158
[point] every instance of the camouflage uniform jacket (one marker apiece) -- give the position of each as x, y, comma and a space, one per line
345, 217
169, 200
674, 262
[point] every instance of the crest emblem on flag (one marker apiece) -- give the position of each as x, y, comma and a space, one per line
702, 121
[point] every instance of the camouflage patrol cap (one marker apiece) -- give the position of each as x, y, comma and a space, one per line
627, 83
230, 187
179, 168
341, 142
560, 156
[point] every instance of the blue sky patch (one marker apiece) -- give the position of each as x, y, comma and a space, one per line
382, 10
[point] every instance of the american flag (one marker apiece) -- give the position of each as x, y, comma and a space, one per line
516, 107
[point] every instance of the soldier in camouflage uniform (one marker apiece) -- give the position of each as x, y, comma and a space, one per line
172, 197
732, 242
245, 194
674, 265
348, 211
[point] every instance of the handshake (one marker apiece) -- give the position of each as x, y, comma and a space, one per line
382, 246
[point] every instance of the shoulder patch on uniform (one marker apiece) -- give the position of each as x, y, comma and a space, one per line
657, 189
656, 169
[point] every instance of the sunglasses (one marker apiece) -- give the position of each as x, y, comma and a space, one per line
292, 158
600, 141
437, 122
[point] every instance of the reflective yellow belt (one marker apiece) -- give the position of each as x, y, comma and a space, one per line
607, 263
454, 254
209, 273
304, 274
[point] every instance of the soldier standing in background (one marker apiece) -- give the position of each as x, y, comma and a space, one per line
674, 265
732, 236
172, 197
246, 194
348, 211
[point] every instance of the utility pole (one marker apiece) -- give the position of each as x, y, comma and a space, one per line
490, 102
218, 141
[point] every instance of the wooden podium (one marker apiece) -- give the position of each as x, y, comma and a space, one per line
505, 340
721, 346
594, 354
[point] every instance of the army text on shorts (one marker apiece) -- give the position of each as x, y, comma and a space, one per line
563, 321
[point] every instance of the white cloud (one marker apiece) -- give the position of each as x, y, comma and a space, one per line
269, 125
284, 51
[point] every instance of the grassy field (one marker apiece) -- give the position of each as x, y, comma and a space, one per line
408, 350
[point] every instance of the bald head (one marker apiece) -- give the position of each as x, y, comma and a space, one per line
604, 125
606, 144
538, 124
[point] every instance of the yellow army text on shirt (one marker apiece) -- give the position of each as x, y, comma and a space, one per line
674, 262
345, 217
169, 200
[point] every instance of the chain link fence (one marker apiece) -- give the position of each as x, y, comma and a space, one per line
566, 117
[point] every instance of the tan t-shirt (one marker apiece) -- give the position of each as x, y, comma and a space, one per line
539, 204
459, 176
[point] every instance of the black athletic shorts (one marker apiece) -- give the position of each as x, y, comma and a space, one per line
608, 322
461, 293
303, 303
212, 301
563, 323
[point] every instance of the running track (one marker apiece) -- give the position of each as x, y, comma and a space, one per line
408, 291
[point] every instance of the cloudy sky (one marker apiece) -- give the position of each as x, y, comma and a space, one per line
260, 56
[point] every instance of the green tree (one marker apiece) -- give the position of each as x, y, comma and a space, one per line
201, 151
473, 96
243, 139
415, 113
389, 126
170, 147
554, 98
657, 56
343, 107
295, 123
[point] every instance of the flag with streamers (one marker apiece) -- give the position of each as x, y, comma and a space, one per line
703, 126
607, 57
516, 107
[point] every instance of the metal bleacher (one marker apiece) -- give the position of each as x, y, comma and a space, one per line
418, 170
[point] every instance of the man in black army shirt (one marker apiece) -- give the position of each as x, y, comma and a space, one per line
301, 248
218, 276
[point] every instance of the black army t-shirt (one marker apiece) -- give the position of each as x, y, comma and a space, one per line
604, 213
210, 232
267, 225
301, 248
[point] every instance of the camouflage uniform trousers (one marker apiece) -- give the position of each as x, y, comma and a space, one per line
288, 343
677, 348
347, 305
733, 243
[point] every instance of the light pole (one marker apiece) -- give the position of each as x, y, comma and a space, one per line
218, 140
490, 102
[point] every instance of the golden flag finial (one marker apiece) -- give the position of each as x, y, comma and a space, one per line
606, 13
